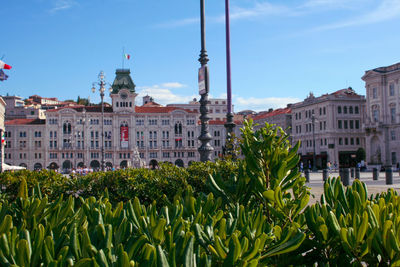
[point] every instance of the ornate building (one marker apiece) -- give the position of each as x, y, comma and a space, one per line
71, 136
382, 125
337, 119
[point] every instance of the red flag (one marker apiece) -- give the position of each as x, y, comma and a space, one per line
4, 65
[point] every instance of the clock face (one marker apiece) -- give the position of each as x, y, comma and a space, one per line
124, 95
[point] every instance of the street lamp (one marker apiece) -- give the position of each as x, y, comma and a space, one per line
313, 134
205, 148
229, 125
102, 88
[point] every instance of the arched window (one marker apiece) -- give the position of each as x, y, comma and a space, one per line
67, 127
178, 128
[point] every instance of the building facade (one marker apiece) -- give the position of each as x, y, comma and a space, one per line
382, 124
2, 131
71, 136
337, 120
281, 117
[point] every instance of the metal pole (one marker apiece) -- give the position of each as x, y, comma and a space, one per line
313, 133
102, 126
229, 125
205, 149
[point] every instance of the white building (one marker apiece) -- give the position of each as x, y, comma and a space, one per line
70, 137
382, 125
338, 127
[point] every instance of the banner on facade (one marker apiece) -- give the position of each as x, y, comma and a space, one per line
124, 137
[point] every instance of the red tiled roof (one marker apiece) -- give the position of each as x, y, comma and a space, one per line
219, 122
155, 109
25, 122
275, 112
138, 109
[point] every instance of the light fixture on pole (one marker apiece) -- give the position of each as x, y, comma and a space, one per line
229, 125
313, 134
102, 88
205, 148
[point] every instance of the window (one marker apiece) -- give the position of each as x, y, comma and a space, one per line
357, 124
356, 110
351, 124
374, 92
394, 158
345, 110
346, 141
320, 111
345, 124
352, 141
324, 111
339, 109
340, 141
140, 122
340, 124
357, 141
152, 122
393, 114
393, 135
67, 127
351, 110
375, 115
178, 128
164, 122
391, 89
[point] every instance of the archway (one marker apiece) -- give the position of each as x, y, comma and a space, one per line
123, 164
109, 165
95, 164
179, 163
190, 162
80, 165
375, 153
37, 166
53, 166
153, 164
67, 165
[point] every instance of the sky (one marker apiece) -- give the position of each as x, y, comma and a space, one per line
280, 50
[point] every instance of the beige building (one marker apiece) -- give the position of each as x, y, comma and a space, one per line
338, 127
382, 124
217, 107
2, 133
16, 109
281, 117
71, 137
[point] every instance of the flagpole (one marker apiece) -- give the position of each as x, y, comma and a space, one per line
123, 57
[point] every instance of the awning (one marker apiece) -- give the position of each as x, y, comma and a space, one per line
7, 167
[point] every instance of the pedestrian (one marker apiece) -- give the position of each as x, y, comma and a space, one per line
301, 166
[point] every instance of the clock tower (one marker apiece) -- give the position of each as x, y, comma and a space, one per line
123, 93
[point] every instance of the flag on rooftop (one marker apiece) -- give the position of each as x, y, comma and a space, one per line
127, 56
4, 65
3, 76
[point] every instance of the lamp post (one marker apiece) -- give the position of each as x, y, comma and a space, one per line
205, 148
229, 125
102, 88
313, 134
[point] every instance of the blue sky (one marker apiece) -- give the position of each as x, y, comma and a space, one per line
280, 50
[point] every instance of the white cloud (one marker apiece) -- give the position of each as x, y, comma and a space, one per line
173, 85
164, 94
259, 104
387, 10
62, 5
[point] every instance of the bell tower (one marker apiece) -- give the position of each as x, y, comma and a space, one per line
123, 93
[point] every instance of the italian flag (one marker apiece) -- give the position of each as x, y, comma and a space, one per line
127, 56
3, 140
4, 66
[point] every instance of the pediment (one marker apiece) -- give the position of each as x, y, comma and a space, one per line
67, 111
